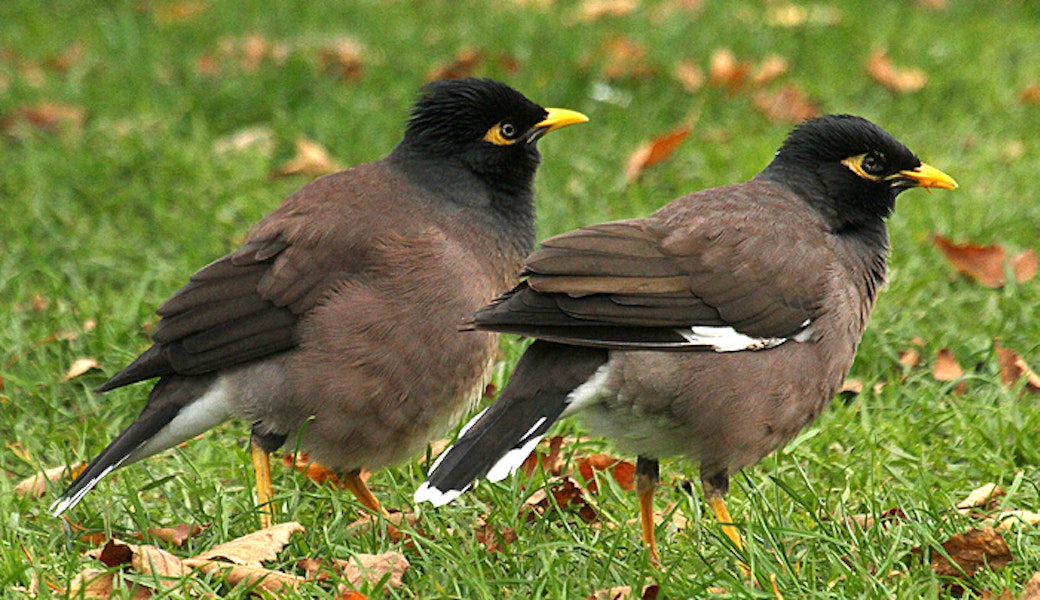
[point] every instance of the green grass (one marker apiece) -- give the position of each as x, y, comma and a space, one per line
103, 223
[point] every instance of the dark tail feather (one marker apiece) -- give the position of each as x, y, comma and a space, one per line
497, 441
152, 363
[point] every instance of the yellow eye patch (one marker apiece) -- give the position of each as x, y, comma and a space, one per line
501, 134
855, 164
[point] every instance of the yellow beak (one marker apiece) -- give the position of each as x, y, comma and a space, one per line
925, 176
556, 118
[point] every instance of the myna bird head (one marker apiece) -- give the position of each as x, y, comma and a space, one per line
487, 125
850, 169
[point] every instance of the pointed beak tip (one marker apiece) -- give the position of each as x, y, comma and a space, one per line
557, 118
927, 176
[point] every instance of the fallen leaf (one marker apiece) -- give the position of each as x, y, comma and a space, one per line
886, 518
592, 10
1030, 94
1007, 519
1013, 368
258, 577
1031, 591
47, 117
176, 536
551, 462
342, 58
897, 79
984, 264
259, 138
726, 71
253, 548
95, 583
981, 496
623, 58
494, 540
1024, 265
970, 552
946, 366
689, 75
788, 104
623, 592
771, 67
311, 159
650, 153
622, 471
650, 592
909, 358
35, 486
566, 494
366, 522
371, 568
81, 366
465, 64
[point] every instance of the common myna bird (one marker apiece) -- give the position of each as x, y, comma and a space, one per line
339, 314
715, 328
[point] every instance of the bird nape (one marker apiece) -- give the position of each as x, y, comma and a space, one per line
716, 328
337, 320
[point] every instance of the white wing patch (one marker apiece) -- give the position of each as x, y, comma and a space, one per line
727, 339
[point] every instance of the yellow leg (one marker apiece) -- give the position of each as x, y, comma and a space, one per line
264, 489
352, 481
718, 506
647, 476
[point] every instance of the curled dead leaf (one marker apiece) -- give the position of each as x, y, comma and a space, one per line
566, 494
726, 71
984, 264
909, 358
1013, 368
176, 536
621, 470
897, 79
79, 367
1008, 519
946, 366
650, 153
789, 104
494, 539
311, 159
35, 486
253, 548
982, 496
464, 64
550, 461
971, 551
1024, 265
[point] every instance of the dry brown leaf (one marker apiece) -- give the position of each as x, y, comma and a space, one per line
366, 522
1007, 519
886, 518
623, 592
789, 104
984, 264
946, 366
258, 577
689, 75
253, 548
494, 540
35, 486
1031, 591
982, 496
465, 64
655, 151
343, 58
972, 551
311, 159
726, 71
624, 57
372, 568
550, 462
1030, 94
176, 536
1024, 265
79, 367
771, 67
592, 10
566, 494
95, 583
259, 138
909, 358
46, 117
650, 592
1013, 368
898, 79
622, 471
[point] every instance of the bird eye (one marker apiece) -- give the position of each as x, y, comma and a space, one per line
502, 134
873, 163
508, 131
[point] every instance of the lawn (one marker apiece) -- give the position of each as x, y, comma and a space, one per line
117, 182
